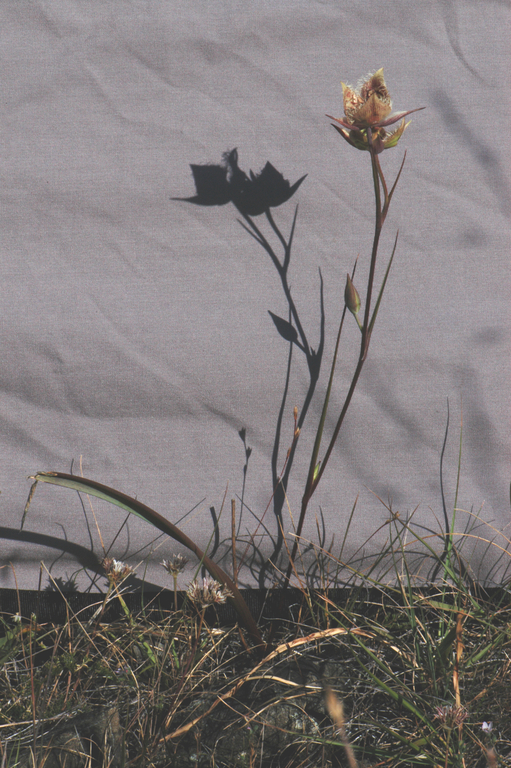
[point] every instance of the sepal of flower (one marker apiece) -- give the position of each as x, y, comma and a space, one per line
392, 138
381, 139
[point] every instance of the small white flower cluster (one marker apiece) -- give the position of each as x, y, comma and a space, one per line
211, 592
451, 716
116, 571
175, 565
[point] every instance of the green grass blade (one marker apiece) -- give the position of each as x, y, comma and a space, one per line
399, 697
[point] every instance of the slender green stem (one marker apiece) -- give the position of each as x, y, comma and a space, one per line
383, 183
377, 172
321, 426
316, 470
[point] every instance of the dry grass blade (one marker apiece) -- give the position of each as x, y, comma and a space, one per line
336, 712
166, 687
283, 648
459, 654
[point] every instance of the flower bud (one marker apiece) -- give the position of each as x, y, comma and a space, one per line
351, 297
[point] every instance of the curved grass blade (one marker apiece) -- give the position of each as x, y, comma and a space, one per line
92, 488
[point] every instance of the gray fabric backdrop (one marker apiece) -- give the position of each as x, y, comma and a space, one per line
136, 341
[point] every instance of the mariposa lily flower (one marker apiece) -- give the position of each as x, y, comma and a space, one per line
370, 107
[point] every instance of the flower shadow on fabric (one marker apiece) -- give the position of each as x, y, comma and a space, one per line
226, 183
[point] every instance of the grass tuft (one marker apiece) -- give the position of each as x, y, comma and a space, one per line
422, 670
